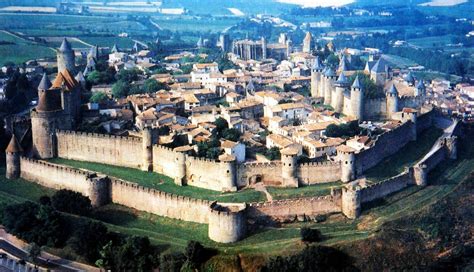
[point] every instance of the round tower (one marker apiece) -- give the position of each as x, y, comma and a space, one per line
66, 58
147, 149
451, 144
227, 222
351, 205
341, 85
99, 190
316, 78
420, 174
329, 88
13, 153
44, 84
228, 172
392, 101
346, 156
289, 166
180, 176
357, 100
45, 119
264, 48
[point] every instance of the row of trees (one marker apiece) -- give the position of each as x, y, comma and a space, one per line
211, 149
49, 223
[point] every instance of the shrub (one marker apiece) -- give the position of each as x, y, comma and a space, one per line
172, 262
310, 235
88, 239
71, 202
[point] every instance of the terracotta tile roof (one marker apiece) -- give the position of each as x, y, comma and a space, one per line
65, 79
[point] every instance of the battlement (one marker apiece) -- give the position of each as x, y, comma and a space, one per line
227, 209
260, 164
162, 147
97, 135
320, 164
57, 166
383, 182
157, 193
378, 99
294, 201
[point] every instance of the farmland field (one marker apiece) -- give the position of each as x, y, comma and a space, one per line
29, 50
432, 42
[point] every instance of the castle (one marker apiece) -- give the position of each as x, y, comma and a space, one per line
58, 111
334, 88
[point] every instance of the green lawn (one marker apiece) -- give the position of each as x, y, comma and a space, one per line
305, 191
407, 156
163, 183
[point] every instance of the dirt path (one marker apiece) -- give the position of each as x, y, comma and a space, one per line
260, 187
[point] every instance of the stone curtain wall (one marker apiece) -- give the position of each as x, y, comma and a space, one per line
267, 172
386, 144
165, 161
55, 176
375, 108
100, 148
319, 172
210, 174
159, 203
281, 210
386, 187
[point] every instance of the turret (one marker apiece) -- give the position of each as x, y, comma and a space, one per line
228, 174
392, 101
264, 48
420, 89
451, 145
288, 159
409, 114
66, 57
329, 88
379, 73
227, 222
410, 79
357, 99
99, 190
316, 78
341, 85
346, 155
13, 153
420, 175
44, 84
351, 202
307, 43
147, 149
342, 64
180, 175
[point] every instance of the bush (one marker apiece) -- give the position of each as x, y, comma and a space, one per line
71, 202
98, 97
273, 153
310, 235
88, 239
45, 200
195, 254
172, 262
344, 130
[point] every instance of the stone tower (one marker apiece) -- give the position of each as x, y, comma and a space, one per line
46, 118
351, 201
409, 114
66, 58
392, 101
264, 48
13, 153
147, 149
420, 174
420, 89
341, 85
357, 100
307, 43
44, 85
316, 78
329, 86
289, 48
288, 159
379, 73
180, 176
346, 156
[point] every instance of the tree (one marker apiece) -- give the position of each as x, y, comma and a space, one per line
310, 235
273, 153
98, 97
344, 130
71, 202
195, 254
120, 89
89, 239
172, 262
128, 75
34, 252
152, 86
231, 134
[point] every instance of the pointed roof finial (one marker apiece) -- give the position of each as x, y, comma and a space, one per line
45, 83
317, 64
65, 46
342, 79
393, 90
14, 146
356, 84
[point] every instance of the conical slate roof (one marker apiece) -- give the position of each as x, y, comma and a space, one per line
330, 73
342, 79
45, 83
115, 49
308, 37
356, 84
317, 64
49, 100
410, 78
393, 90
380, 66
13, 146
80, 77
65, 46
